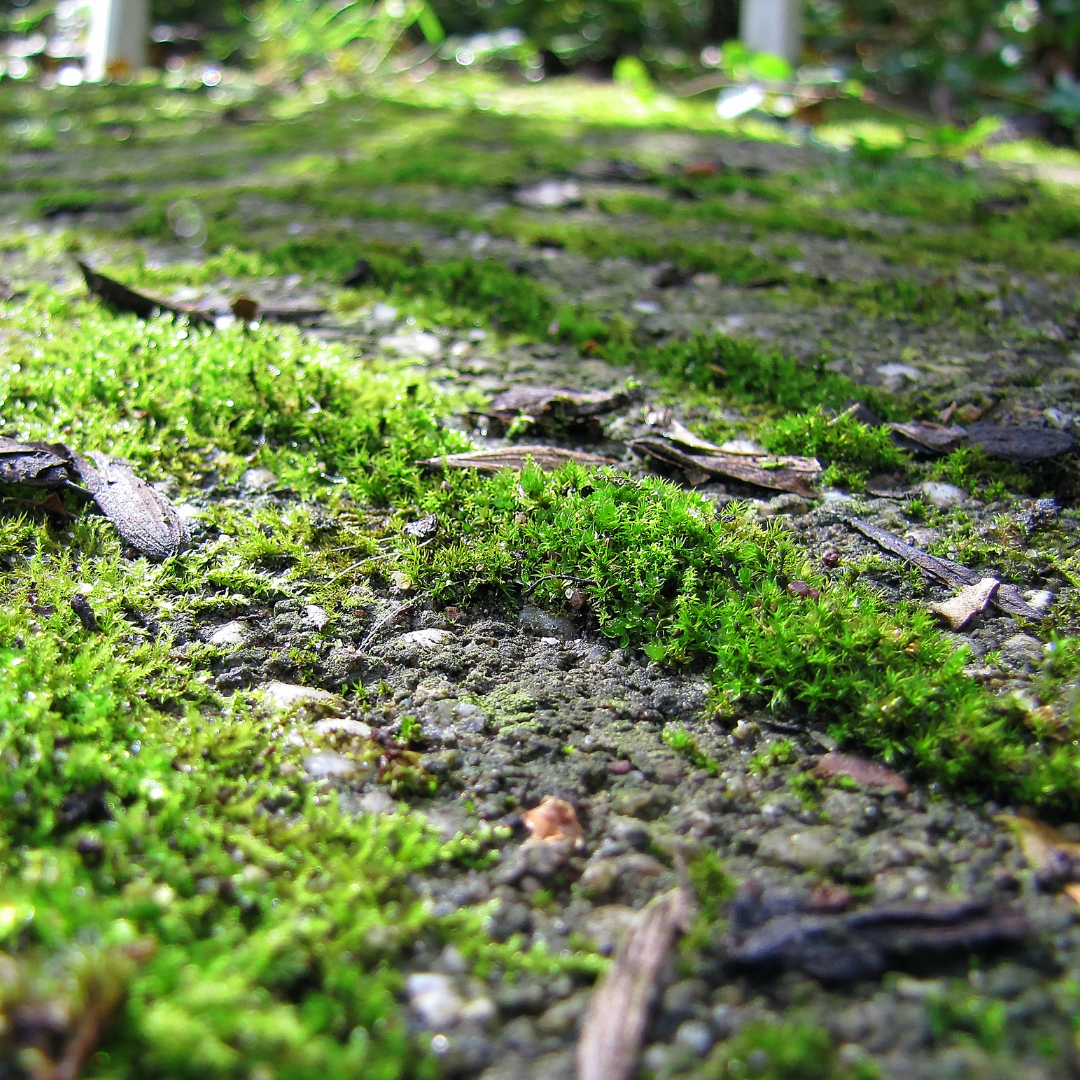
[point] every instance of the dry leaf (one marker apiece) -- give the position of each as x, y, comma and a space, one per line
937, 438
33, 464
970, 601
618, 1009
549, 403
1054, 859
794, 474
142, 516
861, 771
552, 821
547, 458
122, 298
685, 437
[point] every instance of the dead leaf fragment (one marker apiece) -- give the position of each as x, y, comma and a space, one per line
861, 771
554, 820
142, 516
779, 473
245, 309
547, 403
679, 433
1055, 859
547, 458
618, 1009
935, 438
970, 601
128, 300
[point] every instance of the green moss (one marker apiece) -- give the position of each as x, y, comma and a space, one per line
681, 741
789, 1051
848, 449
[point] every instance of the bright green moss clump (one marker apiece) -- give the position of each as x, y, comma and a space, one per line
663, 571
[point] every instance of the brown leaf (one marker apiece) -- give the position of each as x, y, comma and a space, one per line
618, 1009
861, 771
552, 821
794, 474
547, 458
245, 309
970, 601
124, 299
548, 403
33, 464
142, 516
937, 438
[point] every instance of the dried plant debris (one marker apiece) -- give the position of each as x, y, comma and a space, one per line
121, 298
142, 516
81, 606
679, 433
618, 1009
1005, 597
1054, 858
920, 436
863, 772
791, 474
363, 273
547, 403
34, 464
781, 930
554, 820
547, 458
970, 601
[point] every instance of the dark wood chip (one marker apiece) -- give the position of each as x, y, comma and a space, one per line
1020, 442
779, 933
763, 470
81, 606
547, 458
142, 516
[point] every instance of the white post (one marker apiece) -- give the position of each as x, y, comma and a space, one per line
119, 33
772, 26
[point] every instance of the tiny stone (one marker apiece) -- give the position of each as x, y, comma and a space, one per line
377, 802
287, 697
316, 615
943, 495
232, 633
327, 765
434, 998
695, 1036
258, 479
334, 726
427, 639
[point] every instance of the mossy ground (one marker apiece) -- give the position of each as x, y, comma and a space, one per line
164, 860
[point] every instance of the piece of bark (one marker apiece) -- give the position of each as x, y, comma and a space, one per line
1007, 598
128, 300
919, 435
550, 403
81, 606
293, 316
970, 601
864, 944
1020, 442
863, 772
792, 474
142, 516
615, 1020
514, 457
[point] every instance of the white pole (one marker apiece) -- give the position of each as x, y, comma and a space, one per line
772, 26
119, 32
